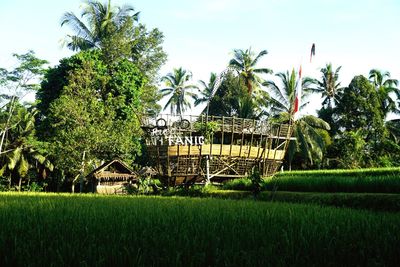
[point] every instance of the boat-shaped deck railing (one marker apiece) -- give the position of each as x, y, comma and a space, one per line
190, 123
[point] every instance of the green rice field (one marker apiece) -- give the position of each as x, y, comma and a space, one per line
380, 180
93, 230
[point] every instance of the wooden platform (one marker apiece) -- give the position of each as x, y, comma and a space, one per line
252, 152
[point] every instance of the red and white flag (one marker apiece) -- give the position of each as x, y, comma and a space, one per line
297, 99
299, 87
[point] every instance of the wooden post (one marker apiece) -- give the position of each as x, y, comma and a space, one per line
250, 147
233, 133
222, 136
242, 140
212, 135
208, 169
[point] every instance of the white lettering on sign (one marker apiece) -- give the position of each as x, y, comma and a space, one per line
185, 141
176, 140
164, 136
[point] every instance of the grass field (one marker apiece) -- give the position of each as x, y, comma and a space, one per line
368, 201
56, 230
382, 180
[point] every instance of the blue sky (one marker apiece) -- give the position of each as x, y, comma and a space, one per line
200, 35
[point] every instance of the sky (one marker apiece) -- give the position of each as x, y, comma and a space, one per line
200, 35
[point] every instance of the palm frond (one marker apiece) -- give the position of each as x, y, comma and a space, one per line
77, 26
263, 70
257, 58
316, 122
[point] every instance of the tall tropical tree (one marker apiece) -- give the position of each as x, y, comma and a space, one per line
328, 86
117, 34
308, 141
207, 92
245, 63
178, 89
16, 83
386, 88
101, 21
21, 153
283, 96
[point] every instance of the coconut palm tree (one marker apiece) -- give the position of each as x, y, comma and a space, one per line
20, 154
283, 97
102, 22
385, 86
308, 141
206, 94
328, 86
178, 87
245, 63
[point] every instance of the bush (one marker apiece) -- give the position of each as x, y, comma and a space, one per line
238, 184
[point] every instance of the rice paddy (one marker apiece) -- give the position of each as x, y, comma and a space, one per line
62, 229
382, 180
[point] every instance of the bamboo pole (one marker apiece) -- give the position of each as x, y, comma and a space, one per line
233, 133
242, 140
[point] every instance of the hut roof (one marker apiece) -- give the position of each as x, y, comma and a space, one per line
147, 171
114, 169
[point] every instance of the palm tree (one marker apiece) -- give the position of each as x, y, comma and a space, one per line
308, 141
244, 62
208, 90
385, 87
20, 154
251, 108
282, 98
103, 21
178, 89
328, 86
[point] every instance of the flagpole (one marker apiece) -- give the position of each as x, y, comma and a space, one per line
299, 87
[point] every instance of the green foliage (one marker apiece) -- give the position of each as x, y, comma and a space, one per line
232, 99
359, 108
207, 129
22, 78
386, 88
225, 100
178, 87
207, 93
146, 50
116, 32
144, 186
256, 182
22, 153
95, 111
237, 184
362, 139
381, 180
369, 201
244, 63
189, 232
328, 86
307, 130
103, 24
191, 191
35, 187
352, 150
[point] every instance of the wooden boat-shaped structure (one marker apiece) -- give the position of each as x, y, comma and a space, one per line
188, 149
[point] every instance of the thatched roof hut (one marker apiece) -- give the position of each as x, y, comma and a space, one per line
111, 177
